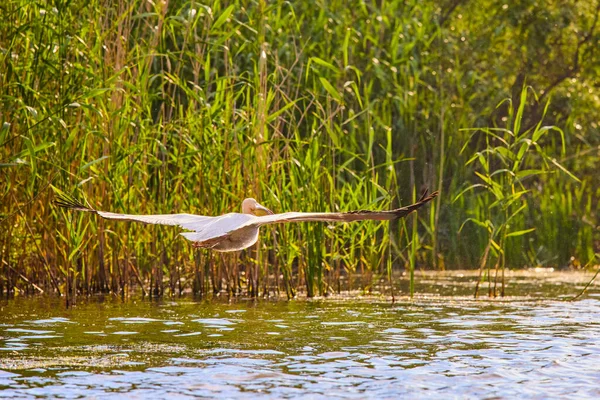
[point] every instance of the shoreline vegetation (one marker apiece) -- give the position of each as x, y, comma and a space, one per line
183, 106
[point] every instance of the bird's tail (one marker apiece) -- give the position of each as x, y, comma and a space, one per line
66, 201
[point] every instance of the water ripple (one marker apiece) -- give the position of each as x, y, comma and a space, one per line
428, 348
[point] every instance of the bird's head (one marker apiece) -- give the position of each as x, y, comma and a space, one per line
251, 206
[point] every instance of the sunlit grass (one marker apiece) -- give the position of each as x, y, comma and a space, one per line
149, 108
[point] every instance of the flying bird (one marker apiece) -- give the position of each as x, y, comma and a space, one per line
237, 231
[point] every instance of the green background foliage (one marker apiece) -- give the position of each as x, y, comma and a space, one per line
185, 106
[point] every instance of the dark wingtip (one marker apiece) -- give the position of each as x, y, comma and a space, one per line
425, 198
65, 201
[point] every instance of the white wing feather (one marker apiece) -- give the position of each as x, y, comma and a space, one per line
218, 226
203, 227
186, 221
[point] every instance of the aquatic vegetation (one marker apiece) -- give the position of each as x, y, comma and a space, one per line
511, 156
181, 106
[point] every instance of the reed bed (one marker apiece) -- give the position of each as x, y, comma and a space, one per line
187, 106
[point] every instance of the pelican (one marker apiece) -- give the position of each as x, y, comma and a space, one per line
237, 231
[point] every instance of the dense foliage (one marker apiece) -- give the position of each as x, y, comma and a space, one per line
183, 106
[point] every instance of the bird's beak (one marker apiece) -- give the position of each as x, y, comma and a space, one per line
261, 211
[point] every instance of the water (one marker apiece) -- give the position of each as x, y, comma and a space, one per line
438, 346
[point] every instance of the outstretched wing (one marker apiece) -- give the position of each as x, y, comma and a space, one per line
350, 216
186, 221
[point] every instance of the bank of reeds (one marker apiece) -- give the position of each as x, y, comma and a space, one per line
183, 106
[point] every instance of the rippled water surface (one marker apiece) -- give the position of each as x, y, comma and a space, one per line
437, 346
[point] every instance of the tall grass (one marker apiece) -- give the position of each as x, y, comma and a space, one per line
183, 106
511, 156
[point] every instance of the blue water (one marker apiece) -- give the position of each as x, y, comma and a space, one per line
437, 346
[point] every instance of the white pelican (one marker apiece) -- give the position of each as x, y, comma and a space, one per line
235, 231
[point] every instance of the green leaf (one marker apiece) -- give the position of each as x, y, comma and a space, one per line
58, 191
144, 15
32, 158
563, 169
496, 246
277, 113
538, 133
346, 45
502, 171
467, 189
484, 178
323, 63
509, 200
86, 166
545, 129
330, 89
526, 173
520, 233
514, 214
28, 150
356, 91
521, 152
483, 224
222, 18
484, 163
519, 116
95, 92
490, 132
473, 158
333, 135
505, 152
32, 111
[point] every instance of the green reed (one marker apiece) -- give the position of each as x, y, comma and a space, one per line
511, 156
183, 106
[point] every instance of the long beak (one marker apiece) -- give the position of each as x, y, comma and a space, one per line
261, 211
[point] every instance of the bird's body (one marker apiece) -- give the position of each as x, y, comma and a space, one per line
237, 231
226, 233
